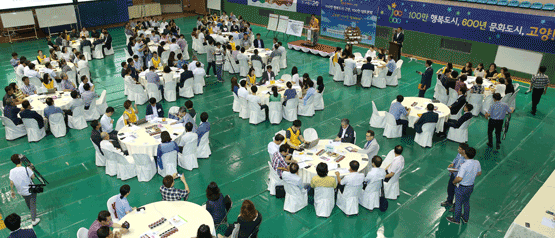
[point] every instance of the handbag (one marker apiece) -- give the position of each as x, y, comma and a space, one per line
383, 201
280, 191
235, 233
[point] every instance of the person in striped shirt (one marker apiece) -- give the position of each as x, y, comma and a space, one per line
538, 84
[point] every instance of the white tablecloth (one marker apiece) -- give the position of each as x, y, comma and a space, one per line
153, 47
420, 108
489, 87
194, 214
263, 53
56, 69
38, 102
339, 148
361, 61
263, 90
176, 75
143, 143
76, 44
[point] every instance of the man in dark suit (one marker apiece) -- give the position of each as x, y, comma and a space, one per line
267, 76
107, 42
258, 43
84, 42
97, 41
426, 81
428, 117
368, 65
59, 40
28, 113
457, 123
234, 27
461, 100
95, 134
185, 76
399, 37
451, 82
257, 57
346, 132
154, 108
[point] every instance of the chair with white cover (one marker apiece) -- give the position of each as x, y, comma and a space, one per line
286, 77
57, 125
234, 66
379, 81
188, 158
458, 115
391, 129
12, 131
92, 113
97, 54
101, 104
139, 93
172, 113
290, 109
84, 72
169, 162
338, 76
257, 65
398, 69
164, 57
357, 55
244, 67
488, 101
100, 159
168, 77
256, 114
236, 104
275, 113
377, 120
120, 123
126, 166
153, 91
145, 167
36, 82
310, 134
366, 80
332, 66
83, 233
33, 132
203, 149
198, 84
87, 52
275, 65
319, 100
283, 59
111, 204
244, 112
187, 90
308, 109
392, 79
453, 95
460, 134
370, 197
350, 78
169, 91
295, 198
347, 200
273, 180
111, 163
324, 201
109, 51
512, 100
424, 139
477, 101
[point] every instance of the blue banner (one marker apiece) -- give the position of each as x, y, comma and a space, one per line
309, 7
337, 15
244, 2
535, 33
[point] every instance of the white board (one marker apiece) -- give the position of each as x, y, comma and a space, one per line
519, 60
282, 26
214, 4
15, 19
12, 4
56, 16
295, 27
273, 22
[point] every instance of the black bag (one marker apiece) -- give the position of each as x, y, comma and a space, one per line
383, 201
280, 191
386, 179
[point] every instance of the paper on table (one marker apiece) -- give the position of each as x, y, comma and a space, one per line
548, 222
332, 166
134, 128
302, 164
128, 139
178, 125
149, 234
264, 92
335, 143
178, 130
177, 221
342, 170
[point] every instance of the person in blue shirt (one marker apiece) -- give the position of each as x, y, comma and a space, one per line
11, 111
122, 205
166, 146
457, 162
397, 110
203, 127
51, 109
465, 185
28, 113
13, 222
14, 61
496, 115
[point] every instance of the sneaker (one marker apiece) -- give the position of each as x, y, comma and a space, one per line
446, 204
533, 113
490, 144
452, 209
36, 221
452, 220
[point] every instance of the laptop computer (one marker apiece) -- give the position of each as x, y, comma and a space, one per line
310, 145
141, 121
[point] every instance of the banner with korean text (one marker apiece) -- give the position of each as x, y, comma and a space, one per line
535, 33
337, 15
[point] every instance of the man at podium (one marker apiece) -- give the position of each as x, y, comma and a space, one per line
399, 37
315, 30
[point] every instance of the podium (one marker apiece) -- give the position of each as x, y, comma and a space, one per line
394, 50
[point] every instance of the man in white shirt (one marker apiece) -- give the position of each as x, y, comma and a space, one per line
106, 144
253, 98
374, 180
273, 146
371, 52
174, 46
85, 80
391, 188
107, 122
281, 49
464, 181
242, 91
354, 178
199, 70
350, 64
21, 177
32, 72
193, 65
190, 137
371, 147
20, 68
48, 70
291, 176
82, 63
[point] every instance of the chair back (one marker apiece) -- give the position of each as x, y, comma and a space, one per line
84, 71
286, 77
102, 98
465, 125
512, 101
120, 123
83, 233
111, 204
292, 190
173, 111
257, 65
30, 123
476, 100
168, 77
121, 159
366, 79
390, 119
275, 65
8, 122
357, 55
429, 127
36, 82
142, 159
374, 109
153, 91
190, 145
165, 55
57, 124
198, 78
453, 95
310, 134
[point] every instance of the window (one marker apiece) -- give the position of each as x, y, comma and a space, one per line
383, 32
456, 45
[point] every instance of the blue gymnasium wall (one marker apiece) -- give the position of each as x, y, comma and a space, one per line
103, 13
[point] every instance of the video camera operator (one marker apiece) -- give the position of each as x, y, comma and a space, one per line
21, 177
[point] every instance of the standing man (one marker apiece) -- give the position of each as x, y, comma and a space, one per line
538, 85
496, 115
426, 80
219, 61
210, 58
21, 177
315, 28
465, 184
393, 173
456, 166
398, 38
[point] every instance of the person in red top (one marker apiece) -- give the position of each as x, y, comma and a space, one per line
104, 219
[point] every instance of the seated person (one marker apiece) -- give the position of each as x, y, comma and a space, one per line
28, 113
281, 158
501, 87
289, 93
293, 136
215, 205
106, 232
249, 218
183, 118
190, 110
51, 109
467, 115
170, 193
11, 111
47, 82
104, 219
477, 88
130, 113
165, 147
253, 98
155, 107
346, 132
397, 110
13, 223
368, 65
85, 80
309, 84
122, 205
204, 126
322, 180
88, 96
109, 145
428, 117
9, 95
27, 88
291, 176
67, 86
459, 103
354, 178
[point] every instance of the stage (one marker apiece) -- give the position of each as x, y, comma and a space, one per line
322, 50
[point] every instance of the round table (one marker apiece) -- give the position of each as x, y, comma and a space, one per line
136, 139
55, 67
193, 214
38, 102
263, 90
153, 47
76, 44
263, 53
419, 108
362, 61
176, 75
313, 160
489, 87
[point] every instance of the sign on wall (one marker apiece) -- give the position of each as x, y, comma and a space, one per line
337, 15
535, 33
301, 6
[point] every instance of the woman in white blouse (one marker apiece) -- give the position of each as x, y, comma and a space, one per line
479, 71
295, 75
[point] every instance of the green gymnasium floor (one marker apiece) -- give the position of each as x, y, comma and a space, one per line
78, 189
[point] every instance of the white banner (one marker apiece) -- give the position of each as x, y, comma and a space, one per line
285, 5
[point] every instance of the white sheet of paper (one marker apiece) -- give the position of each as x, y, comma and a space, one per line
178, 130
177, 126
332, 166
342, 170
134, 128
302, 164
335, 143
548, 222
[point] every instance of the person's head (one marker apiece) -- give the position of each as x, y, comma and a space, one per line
188, 126
105, 135
15, 159
269, 68
454, 74
469, 153
479, 80
49, 101
463, 77
152, 101
542, 69
203, 116
14, 55
31, 66
84, 79
13, 222
189, 104
74, 94
26, 105
320, 80
400, 98
344, 122
297, 124
377, 161
204, 231
293, 168
468, 107
398, 149
124, 190
95, 124
109, 111
294, 70
243, 83
275, 91
103, 232
279, 138
504, 70
248, 211
135, 57
86, 86
428, 63
165, 137
496, 97
276, 46
198, 64
353, 165
322, 169
430, 107
468, 65
492, 67
399, 29
289, 85
508, 79
9, 90
462, 90
212, 191
154, 54
258, 36
480, 67
168, 181
462, 148
252, 72
104, 218
284, 149
127, 104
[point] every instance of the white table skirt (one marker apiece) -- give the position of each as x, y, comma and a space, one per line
144, 143
62, 101
442, 109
